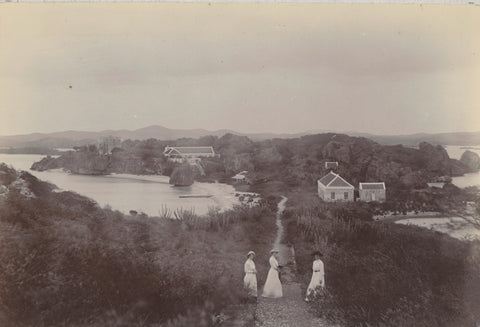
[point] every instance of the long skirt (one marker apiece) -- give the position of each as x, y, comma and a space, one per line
250, 284
316, 285
273, 287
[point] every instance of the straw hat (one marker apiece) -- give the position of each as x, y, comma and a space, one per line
317, 253
249, 253
274, 251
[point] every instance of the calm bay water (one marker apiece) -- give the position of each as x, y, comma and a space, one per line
123, 192
455, 152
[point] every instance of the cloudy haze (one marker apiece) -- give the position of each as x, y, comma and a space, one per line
278, 68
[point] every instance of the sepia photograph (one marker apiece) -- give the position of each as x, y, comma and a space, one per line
172, 164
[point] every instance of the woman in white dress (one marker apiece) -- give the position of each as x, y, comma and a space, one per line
318, 277
250, 279
273, 287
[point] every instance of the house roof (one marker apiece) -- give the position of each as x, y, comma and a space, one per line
190, 149
372, 186
325, 180
334, 180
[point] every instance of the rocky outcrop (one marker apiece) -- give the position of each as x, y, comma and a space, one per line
93, 163
77, 162
458, 168
435, 158
47, 163
21, 183
471, 160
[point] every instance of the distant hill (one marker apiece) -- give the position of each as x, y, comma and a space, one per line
77, 138
69, 139
459, 138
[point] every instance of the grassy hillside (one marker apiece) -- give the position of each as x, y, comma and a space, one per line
384, 274
67, 262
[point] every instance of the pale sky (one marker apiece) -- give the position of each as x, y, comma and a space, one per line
282, 68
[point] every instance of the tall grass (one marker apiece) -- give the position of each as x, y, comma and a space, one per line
382, 274
67, 262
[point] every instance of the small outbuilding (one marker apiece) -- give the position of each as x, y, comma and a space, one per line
332, 187
372, 192
436, 185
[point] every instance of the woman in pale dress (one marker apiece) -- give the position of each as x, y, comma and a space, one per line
318, 277
273, 287
250, 279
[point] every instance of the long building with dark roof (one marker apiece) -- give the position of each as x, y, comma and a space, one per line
188, 152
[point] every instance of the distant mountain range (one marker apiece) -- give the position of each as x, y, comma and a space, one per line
68, 139
458, 138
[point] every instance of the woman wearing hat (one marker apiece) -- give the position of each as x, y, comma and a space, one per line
318, 277
273, 287
250, 279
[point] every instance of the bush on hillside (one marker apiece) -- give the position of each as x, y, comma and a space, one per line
7, 174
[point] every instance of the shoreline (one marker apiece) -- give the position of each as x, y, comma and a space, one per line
455, 226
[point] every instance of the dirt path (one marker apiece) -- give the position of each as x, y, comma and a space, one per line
291, 310
281, 208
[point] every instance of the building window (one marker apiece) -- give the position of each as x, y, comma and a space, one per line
333, 196
345, 195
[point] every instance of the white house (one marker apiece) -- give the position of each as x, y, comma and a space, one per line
179, 153
332, 187
372, 192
